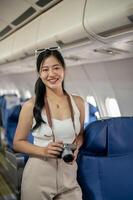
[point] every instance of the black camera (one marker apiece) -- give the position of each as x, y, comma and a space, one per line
67, 153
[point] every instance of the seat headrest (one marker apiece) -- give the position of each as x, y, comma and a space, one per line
110, 137
13, 113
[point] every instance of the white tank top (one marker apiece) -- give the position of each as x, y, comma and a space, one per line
63, 129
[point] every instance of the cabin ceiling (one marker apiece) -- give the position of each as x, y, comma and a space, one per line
15, 14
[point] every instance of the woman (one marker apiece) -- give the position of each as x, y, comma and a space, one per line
55, 118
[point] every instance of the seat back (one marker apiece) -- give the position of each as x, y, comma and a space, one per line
11, 123
15, 161
105, 160
2, 108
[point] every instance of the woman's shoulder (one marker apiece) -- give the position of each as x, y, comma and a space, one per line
28, 105
81, 106
79, 101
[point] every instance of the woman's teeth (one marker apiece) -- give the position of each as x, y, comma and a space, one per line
53, 80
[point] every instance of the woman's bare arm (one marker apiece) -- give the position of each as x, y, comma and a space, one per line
24, 126
81, 106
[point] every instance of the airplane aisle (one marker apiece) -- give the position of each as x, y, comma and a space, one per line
6, 192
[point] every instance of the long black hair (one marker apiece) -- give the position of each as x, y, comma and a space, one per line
40, 88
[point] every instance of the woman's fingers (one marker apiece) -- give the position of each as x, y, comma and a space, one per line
54, 149
56, 144
54, 153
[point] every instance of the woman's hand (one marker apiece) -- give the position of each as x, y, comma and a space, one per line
54, 149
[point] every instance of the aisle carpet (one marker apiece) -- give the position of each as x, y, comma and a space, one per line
5, 191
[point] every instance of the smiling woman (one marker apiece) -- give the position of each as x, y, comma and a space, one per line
56, 119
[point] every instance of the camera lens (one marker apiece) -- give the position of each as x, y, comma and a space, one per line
68, 158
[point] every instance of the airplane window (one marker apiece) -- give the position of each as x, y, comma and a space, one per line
17, 93
97, 115
11, 100
27, 94
112, 107
3, 91
91, 100
12, 92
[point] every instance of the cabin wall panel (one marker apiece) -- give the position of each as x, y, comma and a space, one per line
112, 79
107, 79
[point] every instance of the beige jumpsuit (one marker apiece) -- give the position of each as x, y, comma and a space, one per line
49, 178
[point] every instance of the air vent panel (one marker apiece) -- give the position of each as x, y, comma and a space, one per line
43, 3
5, 31
24, 16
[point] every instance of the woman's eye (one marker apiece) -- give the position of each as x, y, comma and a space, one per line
57, 67
44, 70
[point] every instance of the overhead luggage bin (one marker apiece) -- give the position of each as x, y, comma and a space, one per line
63, 22
108, 18
58, 24
69, 22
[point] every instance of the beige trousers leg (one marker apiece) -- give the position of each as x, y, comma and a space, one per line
50, 179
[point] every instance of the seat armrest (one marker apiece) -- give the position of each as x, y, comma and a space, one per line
16, 159
15, 165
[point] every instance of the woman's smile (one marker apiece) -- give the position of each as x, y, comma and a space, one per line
53, 80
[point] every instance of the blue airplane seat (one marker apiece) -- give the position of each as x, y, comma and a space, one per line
10, 108
92, 112
1, 122
105, 160
16, 161
7, 101
11, 123
3, 107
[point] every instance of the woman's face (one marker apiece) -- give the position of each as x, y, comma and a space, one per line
52, 72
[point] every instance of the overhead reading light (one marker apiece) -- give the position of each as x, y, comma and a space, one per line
130, 18
73, 58
105, 51
74, 43
130, 42
111, 51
